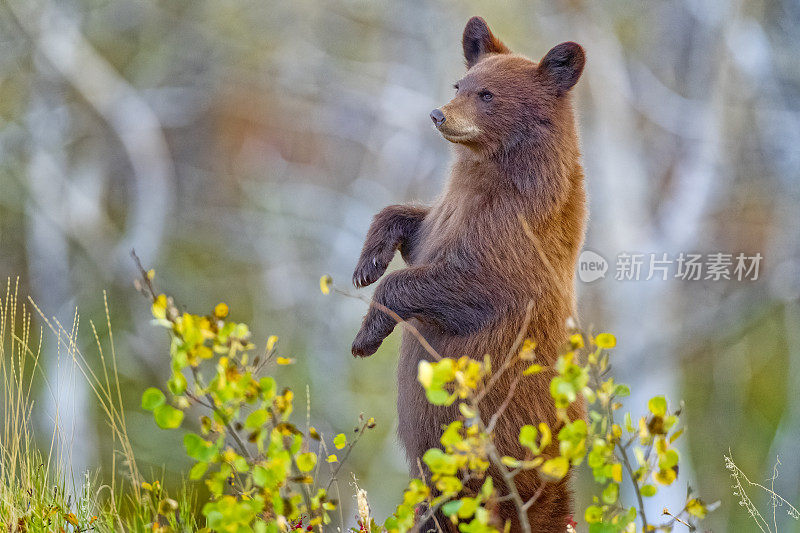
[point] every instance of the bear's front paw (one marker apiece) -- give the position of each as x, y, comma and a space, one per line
371, 266
365, 344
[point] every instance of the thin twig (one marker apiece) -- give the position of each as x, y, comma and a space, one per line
404, 323
521, 334
431, 511
350, 447
511, 390
639, 499
508, 478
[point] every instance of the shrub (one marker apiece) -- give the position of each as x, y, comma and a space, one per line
264, 473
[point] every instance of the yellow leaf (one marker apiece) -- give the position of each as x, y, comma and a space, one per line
533, 463
151, 274
696, 507
665, 477
533, 369
340, 441
616, 472
605, 340
229, 455
271, 341
527, 352
675, 436
160, 307
325, 283
546, 435
425, 374
306, 461
284, 361
556, 467
576, 340
466, 410
72, 519
332, 458
221, 310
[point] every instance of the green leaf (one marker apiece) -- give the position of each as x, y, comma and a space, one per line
177, 384
593, 514
628, 423
622, 391
198, 470
260, 475
198, 448
648, 491
439, 462
668, 459
167, 417
611, 493
152, 398
438, 396
340, 441
256, 419
604, 527
527, 437
306, 461
240, 464
452, 507
268, 387
657, 405
488, 488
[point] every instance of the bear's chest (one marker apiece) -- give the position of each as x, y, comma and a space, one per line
446, 230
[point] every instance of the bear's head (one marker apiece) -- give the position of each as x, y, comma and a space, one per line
505, 98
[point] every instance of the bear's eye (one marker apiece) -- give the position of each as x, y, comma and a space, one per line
486, 96
455, 86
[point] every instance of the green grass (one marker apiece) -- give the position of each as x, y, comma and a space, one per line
37, 493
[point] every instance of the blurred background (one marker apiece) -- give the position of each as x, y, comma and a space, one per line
241, 147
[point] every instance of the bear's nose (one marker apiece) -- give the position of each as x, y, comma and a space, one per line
437, 117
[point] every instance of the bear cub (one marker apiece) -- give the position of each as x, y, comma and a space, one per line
500, 244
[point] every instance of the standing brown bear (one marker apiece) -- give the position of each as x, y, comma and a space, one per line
473, 268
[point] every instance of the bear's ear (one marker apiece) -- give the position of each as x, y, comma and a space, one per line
479, 41
563, 65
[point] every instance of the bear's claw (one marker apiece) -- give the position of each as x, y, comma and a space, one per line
368, 271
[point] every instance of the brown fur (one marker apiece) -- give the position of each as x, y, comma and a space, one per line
472, 267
